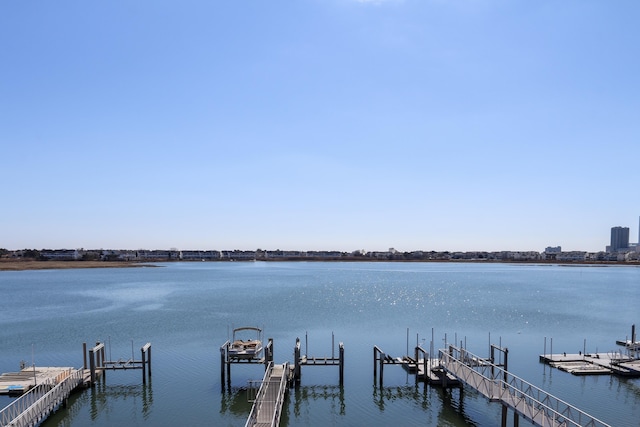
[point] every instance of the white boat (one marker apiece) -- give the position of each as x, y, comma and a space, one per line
246, 343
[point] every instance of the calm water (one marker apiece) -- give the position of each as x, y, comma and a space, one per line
186, 310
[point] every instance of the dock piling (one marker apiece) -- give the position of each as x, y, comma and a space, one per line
145, 351
341, 368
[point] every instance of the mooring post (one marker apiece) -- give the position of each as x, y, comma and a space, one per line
427, 373
341, 355
84, 355
296, 357
149, 357
144, 364
382, 356
145, 351
506, 365
268, 354
97, 354
493, 362
504, 415
443, 371
92, 366
222, 364
228, 363
375, 361
416, 355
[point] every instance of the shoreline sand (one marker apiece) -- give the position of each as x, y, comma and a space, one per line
23, 265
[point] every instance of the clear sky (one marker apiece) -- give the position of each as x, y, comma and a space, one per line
319, 124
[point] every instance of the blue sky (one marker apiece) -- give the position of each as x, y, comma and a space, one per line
319, 124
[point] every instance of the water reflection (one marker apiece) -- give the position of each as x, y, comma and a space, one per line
235, 401
452, 411
449, 402
334, 394
414, 393
105, 401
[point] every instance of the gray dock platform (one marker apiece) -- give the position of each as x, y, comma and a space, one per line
594, 364
16, 383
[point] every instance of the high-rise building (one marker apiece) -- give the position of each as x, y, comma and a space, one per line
619, 238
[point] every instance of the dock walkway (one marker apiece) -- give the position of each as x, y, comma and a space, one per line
267, 407
41, 400
527, 400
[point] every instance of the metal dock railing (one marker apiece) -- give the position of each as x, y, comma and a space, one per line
527, 400
267, 407
34, 406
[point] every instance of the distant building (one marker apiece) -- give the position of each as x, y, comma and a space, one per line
553, 249
60, 254
619, 239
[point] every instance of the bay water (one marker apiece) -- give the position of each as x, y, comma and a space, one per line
187, 310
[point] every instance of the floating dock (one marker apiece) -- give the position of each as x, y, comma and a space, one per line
622, 363
594, 364
16, 383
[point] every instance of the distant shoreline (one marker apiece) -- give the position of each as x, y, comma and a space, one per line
25, 265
